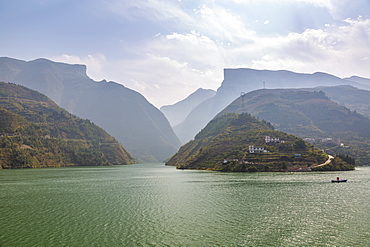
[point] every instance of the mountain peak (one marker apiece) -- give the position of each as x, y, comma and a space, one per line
69, 86
243, 80
177, 112
77, 69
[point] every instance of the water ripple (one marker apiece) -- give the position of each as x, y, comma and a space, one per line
154, 205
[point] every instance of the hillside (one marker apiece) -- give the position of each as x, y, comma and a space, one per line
237, 143
349, 96
35, 132
177, 112
310, 115
125, 114
360, 80
237, 81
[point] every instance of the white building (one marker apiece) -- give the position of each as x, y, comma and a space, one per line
269, 139
327, 140
310, 140
253, 149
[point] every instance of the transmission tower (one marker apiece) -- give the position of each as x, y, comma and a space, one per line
242, 94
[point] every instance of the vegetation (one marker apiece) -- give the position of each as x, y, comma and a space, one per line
224, 145
337, 164
331, 127
350, 97
35, 132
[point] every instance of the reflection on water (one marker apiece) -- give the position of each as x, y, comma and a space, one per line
155, 205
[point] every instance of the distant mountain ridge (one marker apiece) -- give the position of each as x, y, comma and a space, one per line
360, 80
177, 112
35, 132
238, 81
348, 96
140, 127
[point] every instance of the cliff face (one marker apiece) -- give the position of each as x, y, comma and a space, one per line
125, 114
237, 81
58, 81
245, 80
177, 112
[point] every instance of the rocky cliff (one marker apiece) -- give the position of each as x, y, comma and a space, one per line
125, 114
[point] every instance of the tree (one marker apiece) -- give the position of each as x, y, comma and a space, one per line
300, 145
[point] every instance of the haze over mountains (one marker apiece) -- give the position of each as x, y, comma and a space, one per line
125, 114
238, 81
146, 133
348, 96
35, 132
177, 112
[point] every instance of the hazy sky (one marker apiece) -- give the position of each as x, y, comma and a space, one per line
168, 49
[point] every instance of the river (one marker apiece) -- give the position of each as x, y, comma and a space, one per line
156, 205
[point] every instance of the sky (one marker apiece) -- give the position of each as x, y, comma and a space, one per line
168, 49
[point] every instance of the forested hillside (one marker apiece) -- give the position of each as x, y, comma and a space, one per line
310, 115
351, 97
35, 132
241, 143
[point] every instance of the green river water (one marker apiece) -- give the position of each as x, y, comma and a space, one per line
155, 205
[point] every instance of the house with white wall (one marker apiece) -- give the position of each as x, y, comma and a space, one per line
257, 149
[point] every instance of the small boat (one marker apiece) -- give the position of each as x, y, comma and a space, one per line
339, 180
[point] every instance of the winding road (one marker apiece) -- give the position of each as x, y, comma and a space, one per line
326, 162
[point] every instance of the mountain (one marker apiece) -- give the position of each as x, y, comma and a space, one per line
240, 143
239, 81
177, 112
125, 114
311, 115
35, 132
348, 96
360, 80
